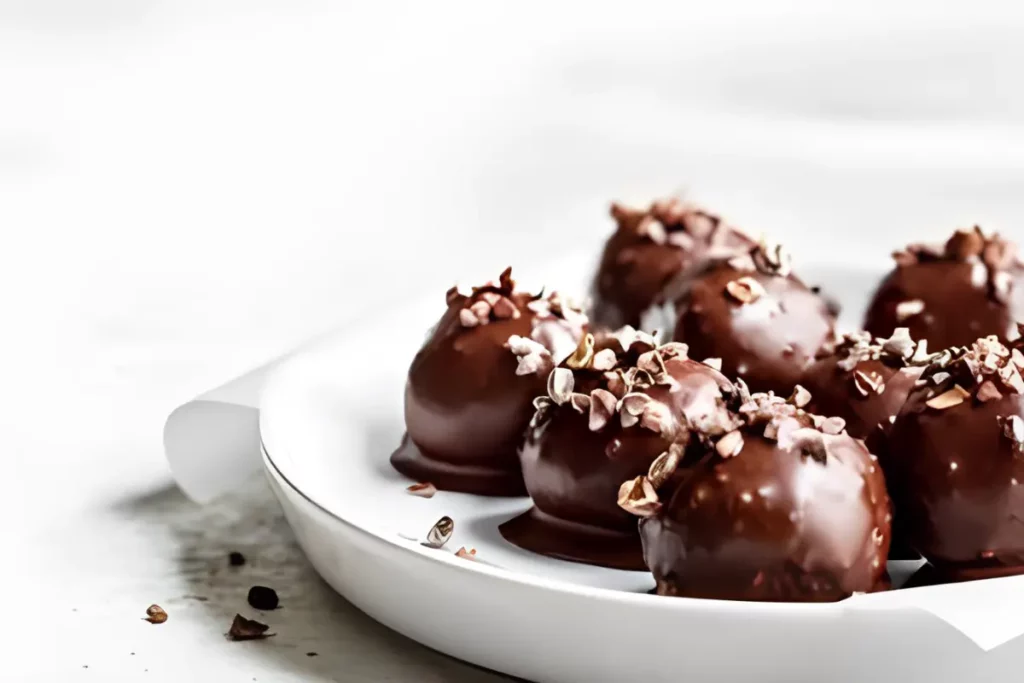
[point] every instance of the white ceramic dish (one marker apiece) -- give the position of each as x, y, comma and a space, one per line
329, 420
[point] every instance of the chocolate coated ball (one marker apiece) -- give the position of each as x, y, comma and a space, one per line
801, 518
764, 324
955, 463
465, 405
648, 249
952, 295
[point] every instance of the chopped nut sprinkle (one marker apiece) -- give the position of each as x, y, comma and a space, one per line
422, 490
466, 554
560, 385
638, 497
1013, 429
868, 382
948, 399
730, 444
745, 290
664, 466
801, 397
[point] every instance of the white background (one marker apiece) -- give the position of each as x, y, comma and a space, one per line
188, 188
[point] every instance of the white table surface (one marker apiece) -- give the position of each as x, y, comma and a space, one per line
188, 189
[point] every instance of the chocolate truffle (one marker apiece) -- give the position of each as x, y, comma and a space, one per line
787, 507
950, 295
865, 381
612, 409
955, 462
465, 405
750, 311
648, 249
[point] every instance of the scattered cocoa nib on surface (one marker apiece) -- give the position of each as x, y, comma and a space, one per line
155, 614
247, 629
440, 533
466, 554
423, 489
236, 559
263, 598
312, 654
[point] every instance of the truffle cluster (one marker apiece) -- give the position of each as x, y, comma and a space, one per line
653, 434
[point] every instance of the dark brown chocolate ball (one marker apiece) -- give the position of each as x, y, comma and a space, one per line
951, 295
955, 462
783, 512
649, 249
465, 405
763, 323
603, 422
865, 381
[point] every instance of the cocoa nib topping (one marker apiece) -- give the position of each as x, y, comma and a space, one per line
497, 301
986, 371
766, 257
1013, 429
783, 421
247, 629
899, 350
772, 258
534, 357
554, 306
618, 375
490, 301
968, 246
745, 290
673, 222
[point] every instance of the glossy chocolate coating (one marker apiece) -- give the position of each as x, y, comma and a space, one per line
772, 524
465, 406
636, 264
574, 473
768, 342
868, 415
956, 483
961, 294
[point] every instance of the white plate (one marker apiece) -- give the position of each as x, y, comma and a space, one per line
329, 421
